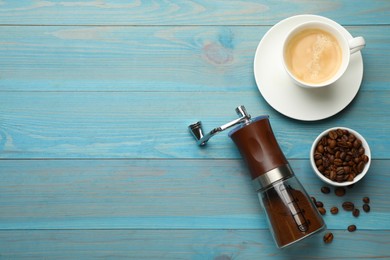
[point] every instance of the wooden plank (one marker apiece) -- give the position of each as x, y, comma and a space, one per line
187, 12
163, 194
161, 58
154, 124
185, 244
100, 94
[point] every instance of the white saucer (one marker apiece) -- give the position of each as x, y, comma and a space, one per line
290, 99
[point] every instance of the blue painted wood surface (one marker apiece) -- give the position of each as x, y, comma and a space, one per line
95, 157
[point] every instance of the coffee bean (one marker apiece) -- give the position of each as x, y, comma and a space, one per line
340, 156
356, 212
318, 162
333, 135
340, 171
332, 175
339, 178
357, 143
360, 167
365, 158
342, 143
332, 143
340, 191
340, 132
322, 210
351, 228
366, 208
348, 206
366, 200
325, 190
320, 148
319, 204
317, 156
325, 162
323, 140
338, 162
328, 238
334, 210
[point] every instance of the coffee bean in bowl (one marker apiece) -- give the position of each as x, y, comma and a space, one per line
340, 156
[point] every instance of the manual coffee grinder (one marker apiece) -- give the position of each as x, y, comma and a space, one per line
291, 213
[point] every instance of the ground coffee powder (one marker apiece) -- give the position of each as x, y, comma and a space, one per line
292, 217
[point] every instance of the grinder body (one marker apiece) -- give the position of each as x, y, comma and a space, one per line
291, 213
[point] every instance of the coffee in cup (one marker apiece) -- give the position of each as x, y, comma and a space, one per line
316, 54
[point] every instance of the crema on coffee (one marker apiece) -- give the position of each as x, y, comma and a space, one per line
313, 55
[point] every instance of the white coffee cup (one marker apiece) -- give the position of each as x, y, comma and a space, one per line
316, 54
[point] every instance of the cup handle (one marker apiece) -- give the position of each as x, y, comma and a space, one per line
356, 44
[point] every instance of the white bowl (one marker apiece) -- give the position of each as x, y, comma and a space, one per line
358, 176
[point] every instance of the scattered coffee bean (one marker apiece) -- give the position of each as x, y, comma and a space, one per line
366, 200
322, 210
340, 156
348, 206
334, 210
325, 190
328, 238
351, 228
339, 191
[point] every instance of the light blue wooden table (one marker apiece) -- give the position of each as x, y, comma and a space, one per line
96, 160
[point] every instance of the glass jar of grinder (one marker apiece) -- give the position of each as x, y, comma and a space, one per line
290, 212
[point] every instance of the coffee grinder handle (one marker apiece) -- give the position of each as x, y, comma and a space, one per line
201, 139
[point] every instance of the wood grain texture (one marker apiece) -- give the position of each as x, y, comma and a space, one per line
162, 194
143, 58
185, 244
95, 157
154, 124
236, 12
